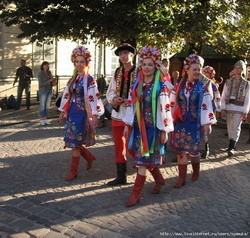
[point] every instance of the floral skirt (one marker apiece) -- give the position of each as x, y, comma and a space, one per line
75, 127
186, 136
154, 159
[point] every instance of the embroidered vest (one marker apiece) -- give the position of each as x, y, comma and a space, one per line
191, 105
237, 95
123, 82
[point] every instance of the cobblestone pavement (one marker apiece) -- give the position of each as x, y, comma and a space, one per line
35, 201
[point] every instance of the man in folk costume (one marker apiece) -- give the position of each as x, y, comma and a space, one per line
117, 94
235, 103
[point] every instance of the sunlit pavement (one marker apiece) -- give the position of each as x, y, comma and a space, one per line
36, 201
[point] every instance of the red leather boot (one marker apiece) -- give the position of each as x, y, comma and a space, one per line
87, 155
73, 168
182, 175
159, 180
136, 193
196, 171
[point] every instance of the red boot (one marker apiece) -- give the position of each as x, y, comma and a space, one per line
196, 171
73, 168
159, 180
182, 175
136, 193
87, 155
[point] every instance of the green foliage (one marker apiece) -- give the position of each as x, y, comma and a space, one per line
168, 24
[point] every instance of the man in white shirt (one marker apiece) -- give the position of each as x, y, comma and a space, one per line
117, 94
235, 103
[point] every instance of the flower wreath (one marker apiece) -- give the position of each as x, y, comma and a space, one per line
149, 52
81, 51
193, 59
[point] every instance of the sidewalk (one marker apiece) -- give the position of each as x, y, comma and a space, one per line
35, 201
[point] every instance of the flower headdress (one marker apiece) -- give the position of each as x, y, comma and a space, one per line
81, 51
149, 52
193, 59
208, 69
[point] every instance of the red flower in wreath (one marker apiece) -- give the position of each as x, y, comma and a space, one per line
98, 95
98, 108
66, 95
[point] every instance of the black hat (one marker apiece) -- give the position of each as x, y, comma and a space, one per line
125, 46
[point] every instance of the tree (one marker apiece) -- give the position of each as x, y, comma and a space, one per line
168, 24
116, 20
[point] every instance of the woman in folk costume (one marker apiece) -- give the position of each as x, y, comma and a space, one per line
149, 114
192, 110
80, 106
209, 72
235, 103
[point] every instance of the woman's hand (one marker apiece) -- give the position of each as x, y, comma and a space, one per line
243, 116
223, 114
164, 137
117, 101
207, 129
93, 121
163, 69
63, 116
126, 131
125, 102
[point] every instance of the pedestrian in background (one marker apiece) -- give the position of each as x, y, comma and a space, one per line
175, 77
24, 74
45, 80
81, 104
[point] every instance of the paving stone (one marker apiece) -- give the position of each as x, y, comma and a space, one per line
39, 232
50, 214
53, 234
25, 205
20, 224
86, 228
6, 217
36, 201
19, 235
106, 233
67, 221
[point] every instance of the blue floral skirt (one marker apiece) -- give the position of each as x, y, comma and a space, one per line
154, 159
75, 127
186, 136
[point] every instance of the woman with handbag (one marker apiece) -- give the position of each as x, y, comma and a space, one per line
45, 81
192, 110
148, 113
80, 106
